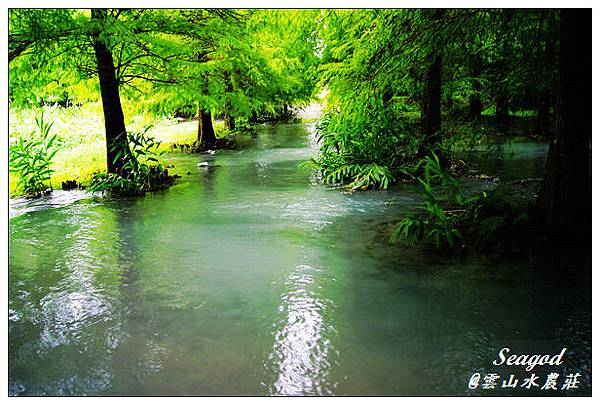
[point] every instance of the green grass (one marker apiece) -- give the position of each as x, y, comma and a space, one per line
81, 138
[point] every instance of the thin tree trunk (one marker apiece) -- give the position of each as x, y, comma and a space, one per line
502, 99
542, 122
228, 117
565, 197
117, 146
229, 120
431, 119
206, 133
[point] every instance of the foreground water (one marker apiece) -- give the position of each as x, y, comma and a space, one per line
248, 277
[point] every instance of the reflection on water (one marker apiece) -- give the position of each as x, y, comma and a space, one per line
248, 277
302, 351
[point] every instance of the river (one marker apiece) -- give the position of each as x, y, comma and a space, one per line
249, 277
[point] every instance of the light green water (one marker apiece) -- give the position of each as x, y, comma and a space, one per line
251, 278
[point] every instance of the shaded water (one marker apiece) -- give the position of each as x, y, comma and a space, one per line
250, 278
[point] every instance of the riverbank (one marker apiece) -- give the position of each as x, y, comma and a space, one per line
81, 148
80, 141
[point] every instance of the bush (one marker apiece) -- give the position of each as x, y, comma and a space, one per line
142, 172
365, 144
441, 212
31, 159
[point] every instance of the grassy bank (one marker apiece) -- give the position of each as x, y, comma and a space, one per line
80, 130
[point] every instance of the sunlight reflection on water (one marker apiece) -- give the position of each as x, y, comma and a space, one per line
302, 350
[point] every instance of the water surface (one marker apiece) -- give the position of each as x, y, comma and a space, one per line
248, 277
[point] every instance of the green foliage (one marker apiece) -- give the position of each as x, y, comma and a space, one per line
142, 172
358, 176
31, 159
365, 150
442, 208
507, 220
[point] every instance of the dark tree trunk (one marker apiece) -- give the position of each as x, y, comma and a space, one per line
565, 197
450, 103
206, 133
502, 108
431, 108
388, 95
502, 99
431, 119
117, 146
229, 120
542, 122
475, 106
227, 113
253, 118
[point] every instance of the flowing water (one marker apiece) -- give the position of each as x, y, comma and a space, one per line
249, 277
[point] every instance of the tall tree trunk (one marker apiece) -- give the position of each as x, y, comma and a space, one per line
206, 133
228, 116
117, 145
565, 197
431, 119
502, 99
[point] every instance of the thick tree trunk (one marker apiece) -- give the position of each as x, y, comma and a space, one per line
117, 146
431, 108
565, 197
206, 133
431, 119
